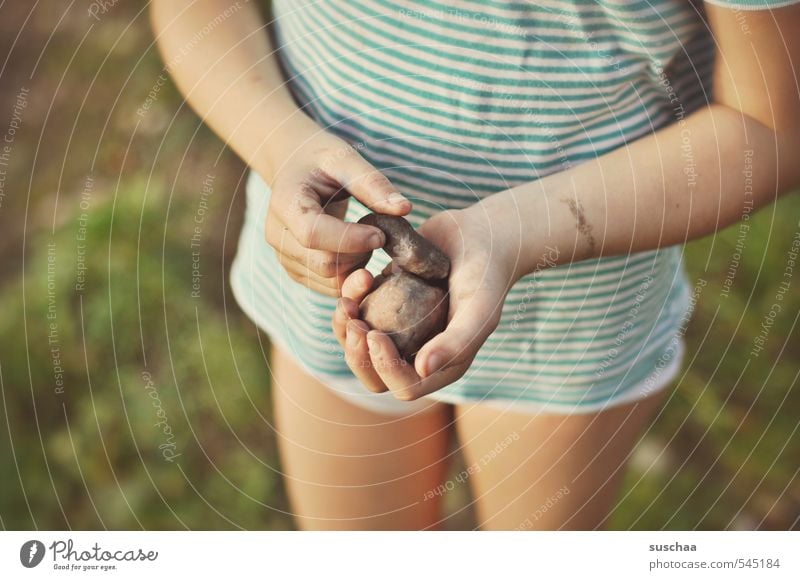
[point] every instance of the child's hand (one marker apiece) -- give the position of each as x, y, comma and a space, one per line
309, 197
482, 272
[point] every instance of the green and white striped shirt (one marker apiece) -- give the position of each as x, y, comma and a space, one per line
457, 100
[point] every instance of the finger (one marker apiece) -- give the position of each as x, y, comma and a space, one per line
302, 275
346, 310
472, 320
369, 186
358, 357
357, 285
392, 369
400, 377
316, 286
301, 212
324, 264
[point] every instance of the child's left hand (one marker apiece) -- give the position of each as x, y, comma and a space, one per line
483, 269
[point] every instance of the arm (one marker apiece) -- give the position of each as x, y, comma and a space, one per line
633, 199
230, 76
645, 196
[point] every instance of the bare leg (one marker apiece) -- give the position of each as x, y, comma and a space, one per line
348, 468
548, 472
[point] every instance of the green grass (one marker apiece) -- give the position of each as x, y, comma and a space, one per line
207, 370
730, 429
723, 453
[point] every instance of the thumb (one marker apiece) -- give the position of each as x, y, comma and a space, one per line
472, 321
368, 185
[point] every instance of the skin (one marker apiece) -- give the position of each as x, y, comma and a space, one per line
635, 198
307, 168
559, 472
618, 203
350, 469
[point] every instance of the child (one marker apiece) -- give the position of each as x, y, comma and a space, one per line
559, 152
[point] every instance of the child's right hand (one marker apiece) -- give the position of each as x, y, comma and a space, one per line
310, 188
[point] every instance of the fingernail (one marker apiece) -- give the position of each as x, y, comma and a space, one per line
376, 240
435, 362
396, 199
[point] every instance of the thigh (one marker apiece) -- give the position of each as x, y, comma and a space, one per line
350, 468
548, 471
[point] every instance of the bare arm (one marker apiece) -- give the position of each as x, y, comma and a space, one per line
688, 179
220, 55
229, 76
636, 198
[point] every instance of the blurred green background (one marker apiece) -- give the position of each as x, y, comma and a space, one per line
101, 337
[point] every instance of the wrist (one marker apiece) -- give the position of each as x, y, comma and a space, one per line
291, 130
509, 234
534, 230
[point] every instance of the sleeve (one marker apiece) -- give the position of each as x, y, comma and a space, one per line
752, 4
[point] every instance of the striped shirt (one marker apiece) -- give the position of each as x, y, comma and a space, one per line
457, 100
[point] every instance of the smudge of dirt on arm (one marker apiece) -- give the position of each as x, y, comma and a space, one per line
583, 226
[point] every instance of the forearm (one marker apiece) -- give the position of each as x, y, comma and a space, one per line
222, 60
680, 183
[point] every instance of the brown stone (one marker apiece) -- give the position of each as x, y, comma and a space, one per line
408, 309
